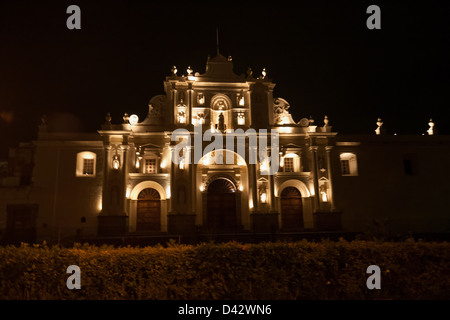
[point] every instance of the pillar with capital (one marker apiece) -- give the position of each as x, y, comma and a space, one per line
113, 219
330, 177
315, 177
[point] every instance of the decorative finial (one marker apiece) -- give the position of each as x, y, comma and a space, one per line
263, 73
379, 124
249, 72
311, 120
189, 71
431, 130
325, 121
108, 118
174, 70
230, 58
126, 117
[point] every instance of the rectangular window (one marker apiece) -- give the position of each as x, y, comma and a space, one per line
288, 164
345, 167
150, 166
88, 167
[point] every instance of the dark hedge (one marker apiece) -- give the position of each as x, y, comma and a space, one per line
268, 271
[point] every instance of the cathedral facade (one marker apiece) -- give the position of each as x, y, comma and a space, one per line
132, 177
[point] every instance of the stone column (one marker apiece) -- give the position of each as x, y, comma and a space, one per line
190, 103
105, 193
113, 219
269, 92
124, 168
189, 163
248, 96
330, 179
253, 178
171, 180
174, 103
315, 178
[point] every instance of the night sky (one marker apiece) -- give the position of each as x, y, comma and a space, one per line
321, 55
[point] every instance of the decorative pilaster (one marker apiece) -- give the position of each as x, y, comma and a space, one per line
253, 194
330, 177
315, 178
105, 194
190, 102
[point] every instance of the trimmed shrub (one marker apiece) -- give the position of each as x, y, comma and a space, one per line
264, 271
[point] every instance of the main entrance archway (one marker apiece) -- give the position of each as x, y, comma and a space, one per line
291, 209
221, 205
148, 210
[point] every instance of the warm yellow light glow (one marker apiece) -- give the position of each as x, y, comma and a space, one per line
290, 155
241, 187
202, 188
285, 120
168, 193
163, 164
181, 164
263, 166
241, 119
138, 164
285, 129
88, 155
241, 101
181, 118
263, 197
324, 196
201, 99
116, 163
207, 160
128, 192
100, 206
134, 119
250, 204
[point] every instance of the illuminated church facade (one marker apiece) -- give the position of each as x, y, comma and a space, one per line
122, 180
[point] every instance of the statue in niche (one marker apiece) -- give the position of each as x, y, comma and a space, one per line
221, 124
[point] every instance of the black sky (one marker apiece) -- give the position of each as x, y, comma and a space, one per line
321, 55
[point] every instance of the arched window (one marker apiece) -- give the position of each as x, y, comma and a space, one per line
86, 164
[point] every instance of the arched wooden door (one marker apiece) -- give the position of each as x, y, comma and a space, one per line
221, 205
148, 211
291, 209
